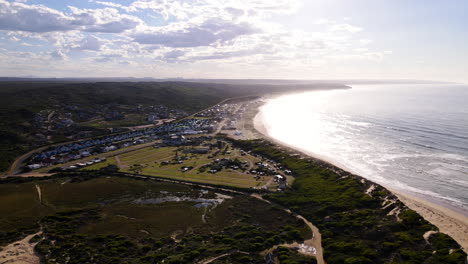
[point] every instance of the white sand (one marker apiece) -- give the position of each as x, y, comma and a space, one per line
20, 252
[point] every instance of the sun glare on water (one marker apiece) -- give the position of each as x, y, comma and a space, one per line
297, 120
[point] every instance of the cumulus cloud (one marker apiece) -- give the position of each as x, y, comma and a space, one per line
195, 35
174, 54
161, 32
183, 9
106, 20
58, 55
110, 4
37, 18
91, 43
40, 19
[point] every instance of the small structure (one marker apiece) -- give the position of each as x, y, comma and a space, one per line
278, 178
110, 148
34, 166
174, 141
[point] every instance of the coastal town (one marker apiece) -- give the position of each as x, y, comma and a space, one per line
193, 148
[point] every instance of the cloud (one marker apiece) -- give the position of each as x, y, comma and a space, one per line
91, 43
229, 54
107, 58
110, 4
174, 54
167, 34
345, 28
184, 9
204, 34
106, 20
40, 19
37, 18
58, 55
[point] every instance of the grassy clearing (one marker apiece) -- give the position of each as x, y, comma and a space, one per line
19, 206
128, 121
151, 159
136, 152
146, 156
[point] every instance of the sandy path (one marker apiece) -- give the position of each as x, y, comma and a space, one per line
39, 193
119, 163
315, 242
206, 261
20, 252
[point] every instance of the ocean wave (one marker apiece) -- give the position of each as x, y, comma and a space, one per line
408, 147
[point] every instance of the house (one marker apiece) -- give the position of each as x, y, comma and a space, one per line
109, 148
85, 153
174, 141
278, 178
34, 166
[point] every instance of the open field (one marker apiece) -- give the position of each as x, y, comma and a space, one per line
128, 120
169, 162
122, 219
19, 207
151, 160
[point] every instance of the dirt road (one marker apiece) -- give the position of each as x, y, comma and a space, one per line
315, 242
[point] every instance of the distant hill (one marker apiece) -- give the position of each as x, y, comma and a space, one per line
273, 82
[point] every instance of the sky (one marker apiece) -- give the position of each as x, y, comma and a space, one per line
236, 39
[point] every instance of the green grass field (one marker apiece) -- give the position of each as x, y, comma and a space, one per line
147, 155
150, 159
19, 206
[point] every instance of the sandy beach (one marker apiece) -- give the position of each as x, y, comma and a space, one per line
447, 220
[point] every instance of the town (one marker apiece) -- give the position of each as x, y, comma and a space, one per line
195, 148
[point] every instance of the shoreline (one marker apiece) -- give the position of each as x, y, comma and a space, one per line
446, 218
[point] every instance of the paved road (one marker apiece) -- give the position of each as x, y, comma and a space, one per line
16, 165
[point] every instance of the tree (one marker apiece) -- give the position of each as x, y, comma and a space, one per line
136, 168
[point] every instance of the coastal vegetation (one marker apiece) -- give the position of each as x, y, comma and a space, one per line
102, 215
91, 217
360, 222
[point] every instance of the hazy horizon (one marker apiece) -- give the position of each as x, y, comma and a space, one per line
214, 39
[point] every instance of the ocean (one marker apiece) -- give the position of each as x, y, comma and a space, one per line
411, 138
